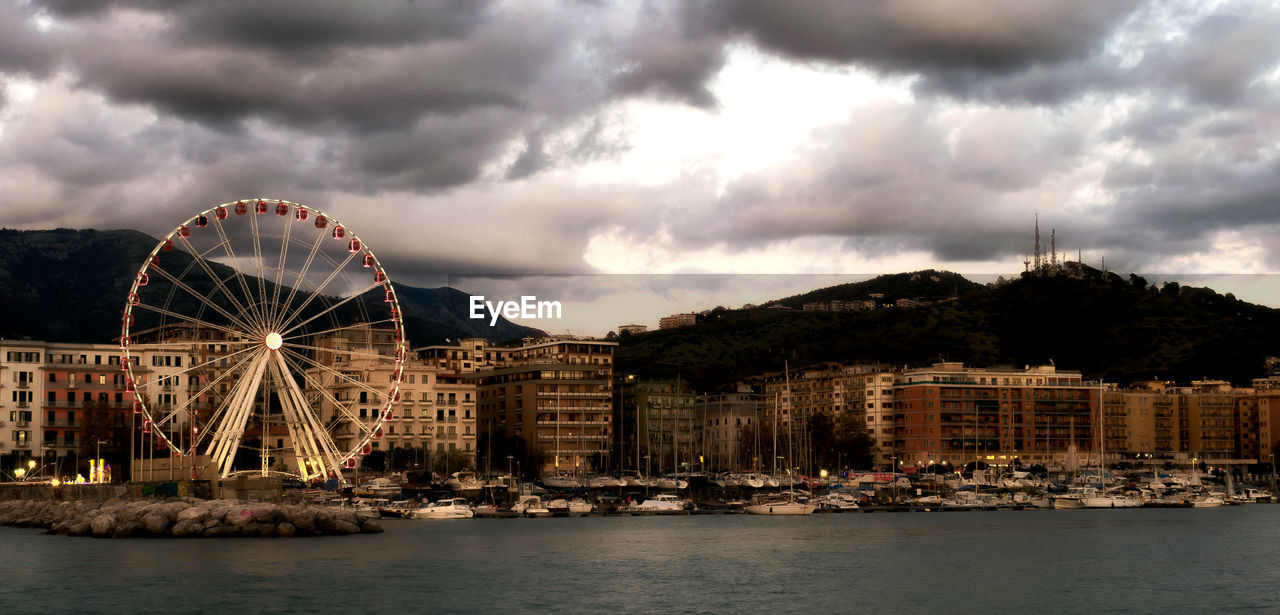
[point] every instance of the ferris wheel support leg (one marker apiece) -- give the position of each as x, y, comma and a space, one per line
232, 428
320, 449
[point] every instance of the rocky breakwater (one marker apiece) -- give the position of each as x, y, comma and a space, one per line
182, 518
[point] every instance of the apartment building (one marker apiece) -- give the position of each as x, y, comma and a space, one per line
1206, 419
553, 396
955, 414
660, 424
724, 418
855, 396
21, 388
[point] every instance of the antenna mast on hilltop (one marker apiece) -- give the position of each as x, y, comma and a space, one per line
1037, 242
1026, 262
1053, 243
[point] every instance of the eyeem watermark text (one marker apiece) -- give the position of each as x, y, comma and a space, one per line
527, 307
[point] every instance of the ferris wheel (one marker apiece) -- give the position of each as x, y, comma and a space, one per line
266, 336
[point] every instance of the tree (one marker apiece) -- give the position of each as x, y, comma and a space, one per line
375, 461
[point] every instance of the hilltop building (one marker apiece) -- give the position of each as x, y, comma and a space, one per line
677, 320
631, 329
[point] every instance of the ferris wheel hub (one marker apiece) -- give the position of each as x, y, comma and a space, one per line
274, 341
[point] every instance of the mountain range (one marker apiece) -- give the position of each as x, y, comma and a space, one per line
68, 285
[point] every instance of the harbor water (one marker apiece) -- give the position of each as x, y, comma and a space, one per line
1065, 561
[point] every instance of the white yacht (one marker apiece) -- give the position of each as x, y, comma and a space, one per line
450, 508
659, 503
1073, 498
380, 487
1208, 500
839, 502
1112, 500
560, 480
464, 481
574, 507
530, 506
605, 482
781, 506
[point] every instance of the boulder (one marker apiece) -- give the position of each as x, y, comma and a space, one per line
370, 526
286, 529
302, 518
103, 524
188, 528
266, 514
156, 522
129, 529
191, 513
79, 528
345, 527
221, 531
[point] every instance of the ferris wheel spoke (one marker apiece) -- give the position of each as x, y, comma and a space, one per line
325, 368
302, 274
275, 291
218, 415
244, 284
328, 310
354, 353
185, 318
319, 387
204, 391
260, 268
231, 429
198, 257
319, 289
308, 435
359, 325
204, 299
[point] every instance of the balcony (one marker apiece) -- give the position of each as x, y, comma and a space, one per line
62, 423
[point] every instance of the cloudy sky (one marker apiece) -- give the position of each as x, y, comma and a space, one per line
824, 138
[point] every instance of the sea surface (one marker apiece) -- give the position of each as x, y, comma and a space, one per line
1061, 561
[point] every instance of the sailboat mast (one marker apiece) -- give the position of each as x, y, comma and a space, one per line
791, 423
777, 409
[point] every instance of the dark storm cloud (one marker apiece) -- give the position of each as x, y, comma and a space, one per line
952, 43
157, 108
292, 25
672, 53
1220, 57
23, 49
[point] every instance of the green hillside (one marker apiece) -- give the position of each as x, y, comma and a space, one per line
1103, 326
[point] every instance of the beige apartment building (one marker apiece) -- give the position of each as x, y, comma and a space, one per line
552, 395
1167, 421
659, 424
855, 396
724, 418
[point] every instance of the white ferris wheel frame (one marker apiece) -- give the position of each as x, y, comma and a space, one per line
262, 350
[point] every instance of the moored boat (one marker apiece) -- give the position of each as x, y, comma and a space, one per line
448, 508
464, 481
780, 506
530, 506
